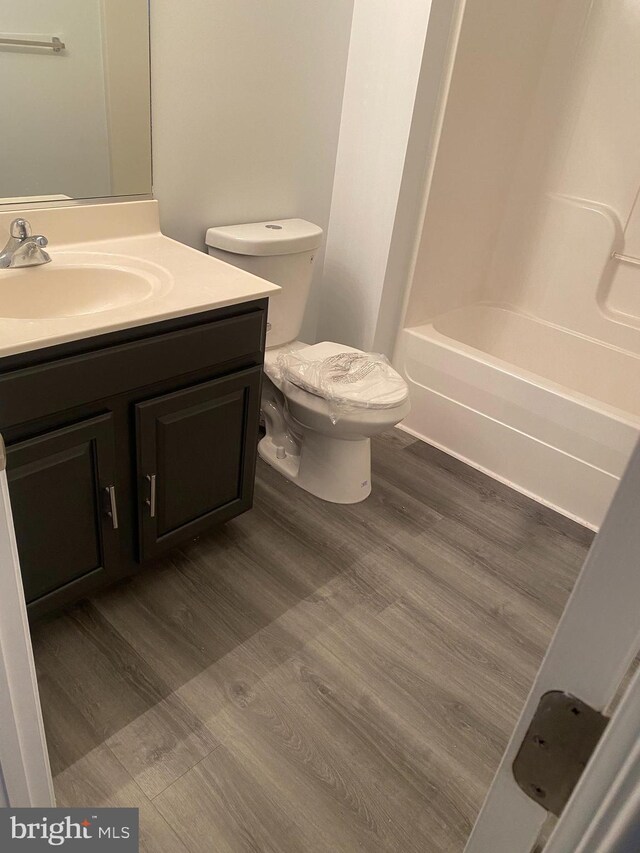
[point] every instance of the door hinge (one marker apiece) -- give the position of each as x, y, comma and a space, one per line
563, 734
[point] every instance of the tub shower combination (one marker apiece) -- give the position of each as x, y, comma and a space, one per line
521, 335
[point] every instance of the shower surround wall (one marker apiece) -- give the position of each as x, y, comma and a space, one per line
521, 336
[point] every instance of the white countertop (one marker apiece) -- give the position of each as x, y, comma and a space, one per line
191, 281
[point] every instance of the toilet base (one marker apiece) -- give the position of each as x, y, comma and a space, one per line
336, 470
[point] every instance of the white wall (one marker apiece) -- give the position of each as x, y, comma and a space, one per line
433, 83
246, 110
385, 57
54, 131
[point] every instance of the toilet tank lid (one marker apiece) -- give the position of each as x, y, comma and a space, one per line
274, 237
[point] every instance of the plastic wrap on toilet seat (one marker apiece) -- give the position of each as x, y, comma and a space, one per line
348, 379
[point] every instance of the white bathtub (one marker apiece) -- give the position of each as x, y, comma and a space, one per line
550, 412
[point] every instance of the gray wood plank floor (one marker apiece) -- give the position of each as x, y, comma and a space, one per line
314, 677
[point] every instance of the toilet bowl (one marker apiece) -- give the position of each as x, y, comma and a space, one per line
321, 444
319, 413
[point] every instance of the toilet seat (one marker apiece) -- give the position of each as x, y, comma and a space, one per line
347, 376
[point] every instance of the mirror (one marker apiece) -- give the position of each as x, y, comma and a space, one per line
76, 115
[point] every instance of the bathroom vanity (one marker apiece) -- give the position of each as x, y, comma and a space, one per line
129, 429
121, 447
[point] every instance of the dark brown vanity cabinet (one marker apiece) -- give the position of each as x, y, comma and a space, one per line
123, 446
62, 498
191, 446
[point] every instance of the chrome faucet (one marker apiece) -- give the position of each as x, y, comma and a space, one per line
23, 249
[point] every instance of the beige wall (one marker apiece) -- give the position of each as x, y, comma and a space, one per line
496, 72
246, 111
576, 181
537, 171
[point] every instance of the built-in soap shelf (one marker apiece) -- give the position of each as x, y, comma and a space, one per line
622, 300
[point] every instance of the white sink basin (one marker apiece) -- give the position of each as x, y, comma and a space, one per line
79, 283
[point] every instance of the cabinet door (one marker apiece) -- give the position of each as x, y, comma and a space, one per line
63, 500
196, 458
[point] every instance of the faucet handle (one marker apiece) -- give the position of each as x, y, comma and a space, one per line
20, 229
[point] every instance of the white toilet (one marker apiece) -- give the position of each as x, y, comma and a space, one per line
318, 428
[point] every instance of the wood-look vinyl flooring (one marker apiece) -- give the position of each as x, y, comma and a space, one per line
314, 677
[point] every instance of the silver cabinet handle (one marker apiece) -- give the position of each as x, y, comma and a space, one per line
151, 500
113, 506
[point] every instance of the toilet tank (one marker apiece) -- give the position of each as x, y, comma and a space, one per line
281, 251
